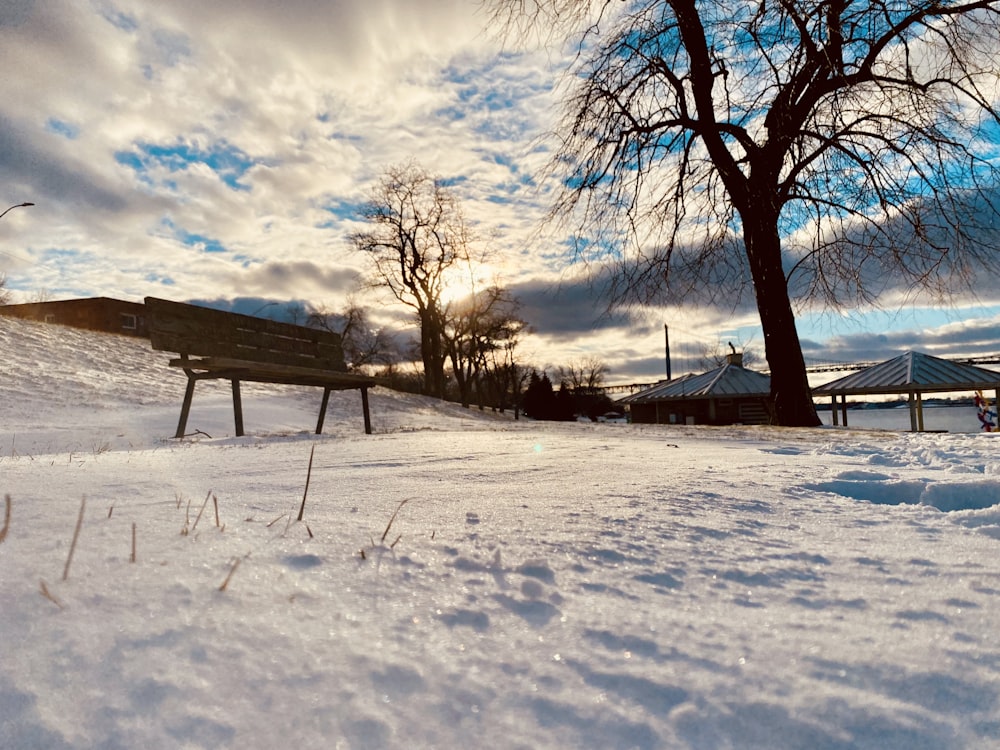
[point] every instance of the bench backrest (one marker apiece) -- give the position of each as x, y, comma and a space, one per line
204, 332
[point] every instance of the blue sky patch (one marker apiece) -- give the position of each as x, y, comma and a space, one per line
230, 163
192, 239
119, 19
155, 278
344, 210
60, 127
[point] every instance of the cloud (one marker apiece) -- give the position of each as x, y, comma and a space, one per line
299, 280
219, 150
27, 168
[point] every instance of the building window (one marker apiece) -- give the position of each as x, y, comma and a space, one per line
128, 322
50, 318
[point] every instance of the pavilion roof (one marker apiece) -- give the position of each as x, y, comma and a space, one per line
911, 372
727, 381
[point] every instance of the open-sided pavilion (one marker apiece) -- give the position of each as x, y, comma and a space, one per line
913, 374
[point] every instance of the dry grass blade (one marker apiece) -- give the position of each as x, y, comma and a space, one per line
6, 517
302, 508
132, 558
225, 583
386, 532
215, 502
76, 535
48, 595
198, 517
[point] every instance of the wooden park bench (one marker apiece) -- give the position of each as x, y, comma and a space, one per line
214, 344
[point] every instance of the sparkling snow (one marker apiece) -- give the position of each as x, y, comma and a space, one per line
462, 580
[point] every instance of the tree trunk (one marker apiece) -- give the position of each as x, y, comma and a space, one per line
461, 376
432, 355
790, 394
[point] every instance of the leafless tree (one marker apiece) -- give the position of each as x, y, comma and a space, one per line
296, 313
363, 344
504, 376
822, 151
716, 355
4, 291
584, 374
480, 331
417, 233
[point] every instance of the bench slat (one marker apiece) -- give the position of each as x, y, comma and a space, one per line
188, 329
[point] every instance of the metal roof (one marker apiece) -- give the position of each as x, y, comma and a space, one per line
727, 381
911, 372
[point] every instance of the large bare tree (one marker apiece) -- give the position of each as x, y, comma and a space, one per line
417, 234
814, 150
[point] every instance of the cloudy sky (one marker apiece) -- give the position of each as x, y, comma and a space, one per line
219, 150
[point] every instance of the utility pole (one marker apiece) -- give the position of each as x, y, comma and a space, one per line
666, 341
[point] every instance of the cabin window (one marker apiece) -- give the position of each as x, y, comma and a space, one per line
128, 322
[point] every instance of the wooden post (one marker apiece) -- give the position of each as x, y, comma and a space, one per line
364, 408
834, 417
237, 407
322, 411
186, 406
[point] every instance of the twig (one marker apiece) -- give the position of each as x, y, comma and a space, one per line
225, 583
215, 502
76, 535
132, 558
6, 517
386, 532
276, 520
302, 508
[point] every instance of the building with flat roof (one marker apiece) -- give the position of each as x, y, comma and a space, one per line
93, 313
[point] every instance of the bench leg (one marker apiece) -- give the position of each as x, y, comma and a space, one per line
185, 407
237, 408
364, 408
322, 411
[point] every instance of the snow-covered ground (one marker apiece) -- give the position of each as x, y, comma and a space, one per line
463, 581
